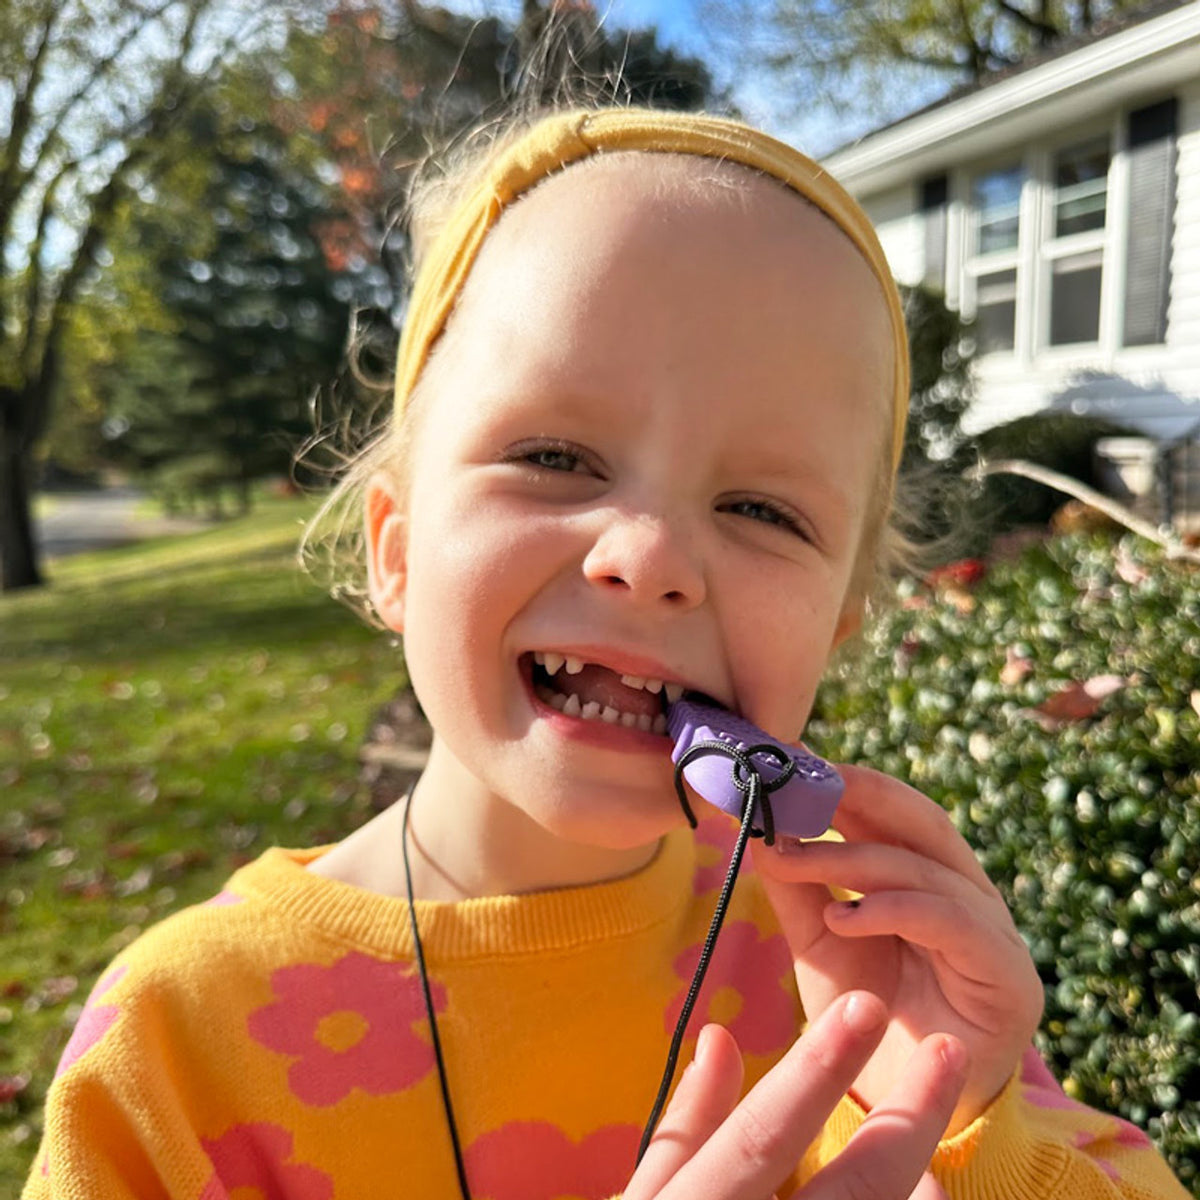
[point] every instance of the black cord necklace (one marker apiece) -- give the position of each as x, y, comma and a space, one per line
755, 792
419, 954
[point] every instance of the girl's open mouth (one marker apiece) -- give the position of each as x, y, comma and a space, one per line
595, 693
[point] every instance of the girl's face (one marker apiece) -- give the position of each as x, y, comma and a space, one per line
647, 444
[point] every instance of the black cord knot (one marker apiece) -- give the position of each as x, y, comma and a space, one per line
746, 777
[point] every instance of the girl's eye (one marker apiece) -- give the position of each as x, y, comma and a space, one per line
554, 458
767, 513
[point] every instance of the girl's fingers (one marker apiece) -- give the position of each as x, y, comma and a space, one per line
800, 907
763, 1139
928, 1188
706, 1095
876, 807
890, 1154
994, 986
868, 867
977, 948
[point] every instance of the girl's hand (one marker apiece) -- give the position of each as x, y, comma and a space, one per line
708, 1149
931, 936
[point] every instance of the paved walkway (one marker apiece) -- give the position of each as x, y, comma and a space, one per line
77, 521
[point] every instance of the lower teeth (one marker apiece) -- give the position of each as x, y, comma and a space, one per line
592, 711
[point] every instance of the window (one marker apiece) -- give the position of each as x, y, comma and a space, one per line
1070, 245
1081, 188
996, 203
1074, 247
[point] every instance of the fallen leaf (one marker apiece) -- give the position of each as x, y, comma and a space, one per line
1016, 667
1077, 701
138, 882
959, 599
965, 573
57, 989
1129, 569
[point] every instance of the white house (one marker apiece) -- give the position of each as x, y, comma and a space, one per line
1059, 206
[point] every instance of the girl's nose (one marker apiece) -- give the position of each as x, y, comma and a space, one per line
644, 557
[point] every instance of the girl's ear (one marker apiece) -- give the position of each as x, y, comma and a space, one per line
387, 551
850, 620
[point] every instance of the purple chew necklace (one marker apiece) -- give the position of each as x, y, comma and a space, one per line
770, 787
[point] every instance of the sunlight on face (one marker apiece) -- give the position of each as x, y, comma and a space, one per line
649, 438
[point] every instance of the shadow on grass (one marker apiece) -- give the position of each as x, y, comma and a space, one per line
253, 598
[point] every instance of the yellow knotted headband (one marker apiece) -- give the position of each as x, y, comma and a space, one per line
557, 141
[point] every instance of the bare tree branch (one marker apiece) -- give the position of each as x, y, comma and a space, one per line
22, 122
35, 296
178, 95
99, 70
1089, 496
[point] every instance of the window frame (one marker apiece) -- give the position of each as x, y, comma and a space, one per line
1051, 248
1038, 249
976, 264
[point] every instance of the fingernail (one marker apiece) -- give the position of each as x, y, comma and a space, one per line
788, 845
862, 1013
846, 907
954, 1055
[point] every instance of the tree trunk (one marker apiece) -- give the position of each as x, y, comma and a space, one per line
18, 551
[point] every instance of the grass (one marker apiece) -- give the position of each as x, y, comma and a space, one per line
167, 710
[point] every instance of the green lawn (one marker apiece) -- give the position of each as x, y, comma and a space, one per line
167, 710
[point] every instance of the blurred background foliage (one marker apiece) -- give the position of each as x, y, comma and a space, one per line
197, 195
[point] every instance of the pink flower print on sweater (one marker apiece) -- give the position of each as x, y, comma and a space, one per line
1119, 1133
94, 1022
759, 968
1042, 1090
353, 1024
533, 1160
254, 1160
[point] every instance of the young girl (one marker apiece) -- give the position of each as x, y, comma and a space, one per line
650, 400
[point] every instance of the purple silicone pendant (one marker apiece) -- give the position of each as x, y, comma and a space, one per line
803, 807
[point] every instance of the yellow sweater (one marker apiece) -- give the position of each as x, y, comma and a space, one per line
273, 1042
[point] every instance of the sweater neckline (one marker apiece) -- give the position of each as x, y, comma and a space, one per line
510, 925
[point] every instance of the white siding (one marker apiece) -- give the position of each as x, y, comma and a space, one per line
1183, 315
1150, 388
901, 231
1153, 388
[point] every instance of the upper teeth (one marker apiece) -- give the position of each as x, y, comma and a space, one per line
555, 662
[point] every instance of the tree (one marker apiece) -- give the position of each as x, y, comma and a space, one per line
842, 51
94, 88
382, 82
258, 313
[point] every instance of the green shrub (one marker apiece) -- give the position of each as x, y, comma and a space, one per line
1091, 829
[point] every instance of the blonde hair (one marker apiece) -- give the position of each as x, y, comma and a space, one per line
333, 545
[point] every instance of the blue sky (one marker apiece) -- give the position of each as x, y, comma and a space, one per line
680, 23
